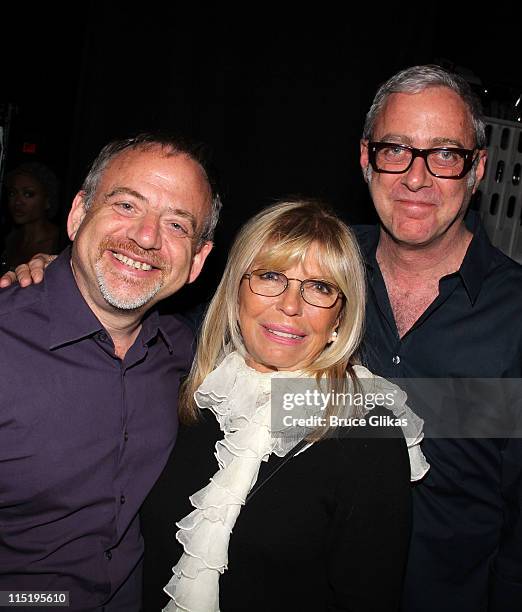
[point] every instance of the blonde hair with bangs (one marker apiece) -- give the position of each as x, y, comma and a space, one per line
277, 238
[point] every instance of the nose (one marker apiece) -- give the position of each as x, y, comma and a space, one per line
290, 301
146, 231
418, 176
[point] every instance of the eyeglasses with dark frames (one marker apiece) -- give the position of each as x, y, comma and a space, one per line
441, 162
315, 292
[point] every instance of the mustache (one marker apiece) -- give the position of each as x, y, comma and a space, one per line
151, 257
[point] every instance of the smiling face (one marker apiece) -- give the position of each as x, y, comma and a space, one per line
415, 207
285, 332
135, 245
27, 199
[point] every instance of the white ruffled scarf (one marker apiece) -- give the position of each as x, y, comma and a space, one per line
239, 397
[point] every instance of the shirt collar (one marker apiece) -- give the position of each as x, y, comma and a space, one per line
369, 241
475, 264
151, 328
477, 260
70, 317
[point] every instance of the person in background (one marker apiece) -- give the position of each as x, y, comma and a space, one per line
444, 303
32, 191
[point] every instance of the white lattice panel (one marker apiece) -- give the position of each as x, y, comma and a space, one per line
499, 197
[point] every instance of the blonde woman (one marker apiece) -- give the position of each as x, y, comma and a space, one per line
264, 522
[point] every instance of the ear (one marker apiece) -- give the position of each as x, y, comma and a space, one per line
481, 168
198, 260
363, 159
76, 215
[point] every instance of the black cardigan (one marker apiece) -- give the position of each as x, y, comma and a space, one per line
329, 531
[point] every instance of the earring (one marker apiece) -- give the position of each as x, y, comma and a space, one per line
334, 336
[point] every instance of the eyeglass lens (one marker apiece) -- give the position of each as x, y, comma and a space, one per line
441, 161
272, 284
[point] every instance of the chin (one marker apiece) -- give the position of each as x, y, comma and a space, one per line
128, 300
413, 233
413, 239
270, 365
282, 364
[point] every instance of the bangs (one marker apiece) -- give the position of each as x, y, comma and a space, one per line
284, 254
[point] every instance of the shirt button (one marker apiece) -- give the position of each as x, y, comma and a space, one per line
396, 360
102, 336
126, 436
122, 499
108, 555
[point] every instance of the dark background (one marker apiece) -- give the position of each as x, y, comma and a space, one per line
279, 93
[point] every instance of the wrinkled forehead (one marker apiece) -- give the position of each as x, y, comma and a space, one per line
431, 117
158, 171
158, 159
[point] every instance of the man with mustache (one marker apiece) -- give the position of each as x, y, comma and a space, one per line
91, 371
444, 303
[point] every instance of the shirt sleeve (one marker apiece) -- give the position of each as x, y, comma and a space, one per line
371, 529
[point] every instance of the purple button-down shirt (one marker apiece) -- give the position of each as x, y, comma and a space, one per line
83, 437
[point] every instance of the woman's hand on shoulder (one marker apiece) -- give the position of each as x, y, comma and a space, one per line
28, 273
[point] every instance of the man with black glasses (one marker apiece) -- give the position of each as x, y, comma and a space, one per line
444, 303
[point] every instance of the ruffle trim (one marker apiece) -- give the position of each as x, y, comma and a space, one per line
413, 430
239, 397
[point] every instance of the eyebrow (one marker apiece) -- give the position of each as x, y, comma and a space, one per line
324, 279
126, 191
318, 277
170, 210
183, 213
441, 141
448, 141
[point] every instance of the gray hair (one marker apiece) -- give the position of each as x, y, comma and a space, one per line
418, 78
173, 146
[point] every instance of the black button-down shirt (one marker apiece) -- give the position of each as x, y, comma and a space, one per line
467, 533
83, 437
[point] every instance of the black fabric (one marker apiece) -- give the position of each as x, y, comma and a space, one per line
274, 468
313, 538
467, 528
